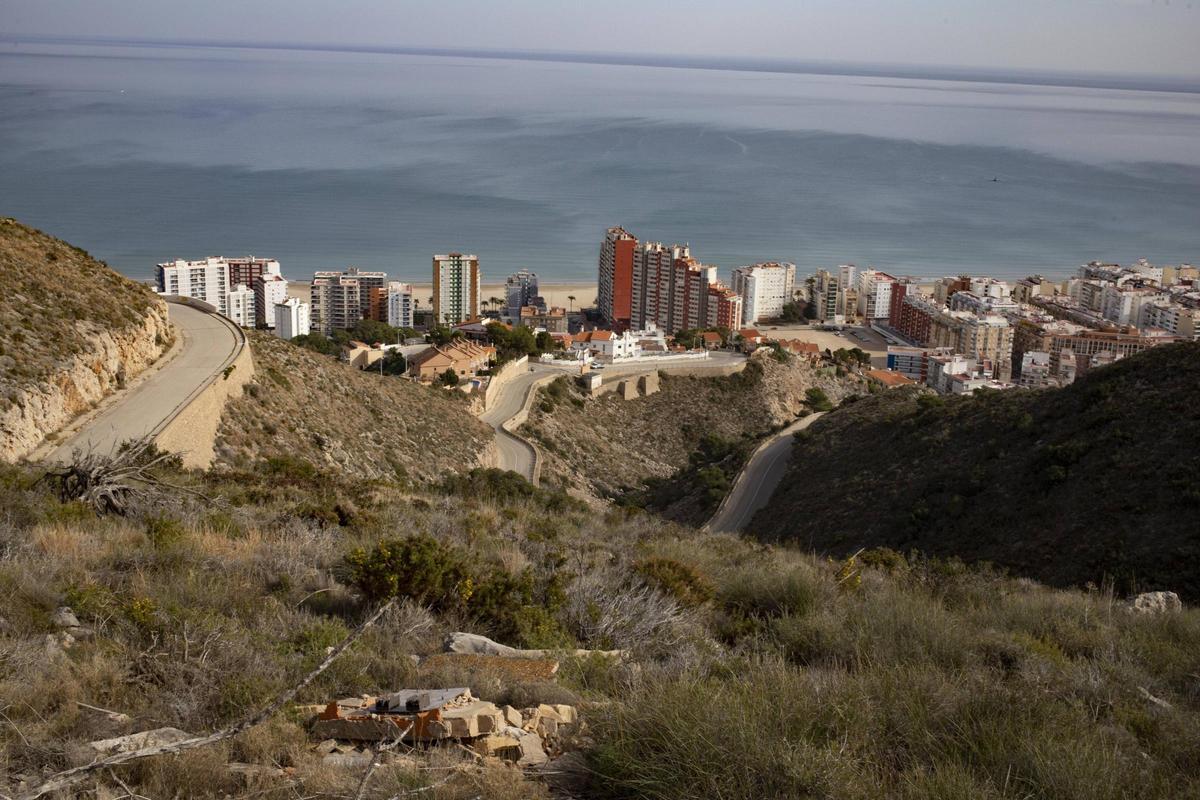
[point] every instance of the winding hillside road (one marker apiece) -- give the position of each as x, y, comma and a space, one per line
515, 454
519, 456
209, 344
758, 479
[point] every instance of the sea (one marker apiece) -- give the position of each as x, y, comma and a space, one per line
142, 153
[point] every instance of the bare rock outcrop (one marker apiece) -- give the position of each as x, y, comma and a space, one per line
109, 359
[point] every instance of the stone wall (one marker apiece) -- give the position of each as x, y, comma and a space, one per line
112, 359
192, 432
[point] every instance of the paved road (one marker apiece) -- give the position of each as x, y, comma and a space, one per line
208, 341
514, 453
758, 480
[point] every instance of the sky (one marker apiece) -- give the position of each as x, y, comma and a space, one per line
1115, 36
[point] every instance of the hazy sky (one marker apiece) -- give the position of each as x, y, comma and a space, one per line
1154, 36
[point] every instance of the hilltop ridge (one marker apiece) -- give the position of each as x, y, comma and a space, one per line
1100, 479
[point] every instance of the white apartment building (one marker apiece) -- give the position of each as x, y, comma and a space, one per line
341, 299
206, 280
874, 295
240, 305
764, 289
291, 319
983, 303
455, 288
1175, 319
1124, 305
269, 289
400, 305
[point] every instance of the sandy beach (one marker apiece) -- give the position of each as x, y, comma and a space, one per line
556, 294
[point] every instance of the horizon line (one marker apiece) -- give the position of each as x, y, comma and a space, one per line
1086, 79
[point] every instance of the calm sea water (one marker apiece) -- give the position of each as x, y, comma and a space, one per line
325, 160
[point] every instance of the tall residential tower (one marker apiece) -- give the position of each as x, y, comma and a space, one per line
455, 288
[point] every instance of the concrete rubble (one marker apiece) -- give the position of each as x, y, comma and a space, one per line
527, 737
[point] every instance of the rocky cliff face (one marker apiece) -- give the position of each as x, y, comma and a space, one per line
72, 331
109, 359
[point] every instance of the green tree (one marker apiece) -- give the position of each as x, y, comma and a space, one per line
318, 342
512, 343
545, 342
372, 331
394, 363
817, 400
449, 378
443, 334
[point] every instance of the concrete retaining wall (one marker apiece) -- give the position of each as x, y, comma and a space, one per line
519, 419
192, 430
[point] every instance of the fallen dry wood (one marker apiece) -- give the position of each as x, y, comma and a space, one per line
73, 776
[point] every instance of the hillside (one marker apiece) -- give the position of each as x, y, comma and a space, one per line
608, 447
71, 331
1099, 479
752, 672
308, 406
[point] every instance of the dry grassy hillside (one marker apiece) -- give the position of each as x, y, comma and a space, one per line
55, 297
754, 672
605, 446
310, 406
1098, 480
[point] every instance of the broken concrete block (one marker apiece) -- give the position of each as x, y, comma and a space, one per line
437, 729
363, 729
64, 617
550, 712
567, 715
410, 701
158, 737
473, 719
499, 745
547, 726
532, 753
327, 746
512, 716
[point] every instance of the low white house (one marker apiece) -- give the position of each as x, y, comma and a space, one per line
612, 346
607, 345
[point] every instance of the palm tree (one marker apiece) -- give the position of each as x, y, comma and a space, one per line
570, 303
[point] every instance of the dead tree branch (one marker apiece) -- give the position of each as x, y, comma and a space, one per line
110, 482
377, 759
